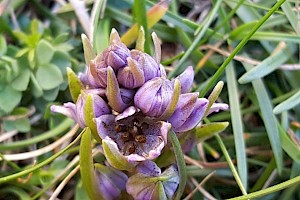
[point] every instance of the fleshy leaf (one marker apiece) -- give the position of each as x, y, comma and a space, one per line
208, 130
75, 84
20, 83
87, 166
10, 98
49, 76
44, 52
89, 117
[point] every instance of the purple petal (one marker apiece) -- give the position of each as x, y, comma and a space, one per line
148, 167
105, 125
154, 96
188, 113
127, 112
195, 116
216, 107
186, 79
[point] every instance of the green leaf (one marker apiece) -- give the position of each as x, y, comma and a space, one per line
10, 98
237, 123
3, 45
36, 89
22, 125
44, 52
268, 65
89, 116
49, 76
50, 95
290, 147
62, 60
288, 104
269, 119
20, 83
60, 38
88, 177
206, 131
75, 84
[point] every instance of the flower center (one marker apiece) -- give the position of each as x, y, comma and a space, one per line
132, 135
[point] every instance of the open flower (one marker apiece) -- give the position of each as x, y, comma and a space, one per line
149, 186
131, 136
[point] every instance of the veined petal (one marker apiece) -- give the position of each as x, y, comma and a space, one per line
216, 107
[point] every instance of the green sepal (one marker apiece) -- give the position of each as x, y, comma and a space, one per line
140, 42
88, 50
172, 105
114, 157
88, 177
89, 117
214, 95
75, 84
206, 131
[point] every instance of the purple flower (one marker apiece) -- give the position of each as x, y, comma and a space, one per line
76, 111
188, 113
118, 98
151, 187
155, 96
131, 136
117, 52
186, 79
111, 182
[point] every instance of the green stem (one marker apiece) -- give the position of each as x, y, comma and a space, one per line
239, 47
40, 165
49, 134
269, 190
231, 165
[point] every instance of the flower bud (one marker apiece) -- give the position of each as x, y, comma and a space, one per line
117, 52
188, 113
111, 182
154, 96
149, 66
131, 76
162, 186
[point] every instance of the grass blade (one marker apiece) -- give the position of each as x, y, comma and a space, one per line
269, 120
237, 125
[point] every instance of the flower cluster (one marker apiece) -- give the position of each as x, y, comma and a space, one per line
135, 105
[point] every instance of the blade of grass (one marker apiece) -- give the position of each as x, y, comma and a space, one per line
40, 165
239, 47
139, 8
269, 64
59, 129
288, 104
231, 165
194, 44
268, 119
269, 190
237, 125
